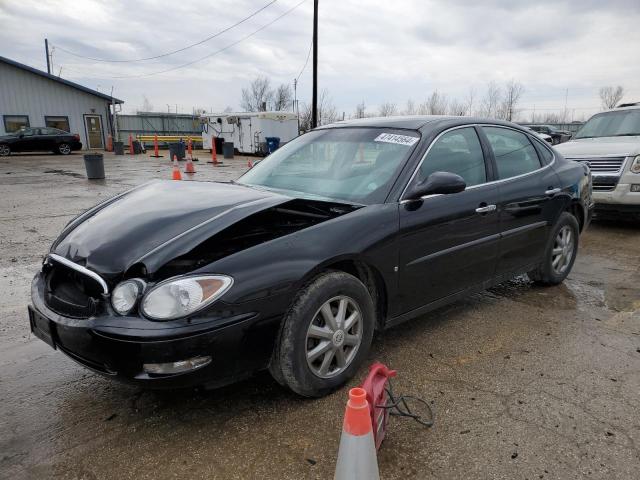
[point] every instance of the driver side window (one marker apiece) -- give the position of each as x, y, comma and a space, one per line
457, 151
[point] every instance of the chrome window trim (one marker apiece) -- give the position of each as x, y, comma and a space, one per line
80, 269
493, 182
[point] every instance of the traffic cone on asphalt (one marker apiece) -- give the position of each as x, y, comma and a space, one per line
176, 169
214, 154
249, 163
189, 168
357, 452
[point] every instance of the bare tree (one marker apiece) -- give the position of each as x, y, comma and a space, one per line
490, 104
327, 112
457, 108
388, 109
146, 104
436, 104
512, 92
228, 109
282, 98
410, 108
258, 95
360, 110
470, 98
611, 96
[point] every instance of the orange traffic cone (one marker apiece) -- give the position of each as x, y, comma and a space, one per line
214, 154
176, 169
357, 451
189, 168
249, 163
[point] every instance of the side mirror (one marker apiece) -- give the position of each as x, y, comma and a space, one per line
437, 183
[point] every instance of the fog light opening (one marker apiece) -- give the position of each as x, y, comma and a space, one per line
181, 366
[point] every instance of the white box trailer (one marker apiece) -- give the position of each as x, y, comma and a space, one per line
248, 130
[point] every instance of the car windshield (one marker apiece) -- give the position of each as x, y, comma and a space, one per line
358, 165
612, 124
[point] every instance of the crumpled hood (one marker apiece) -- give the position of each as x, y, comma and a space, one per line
589, 147
156, 222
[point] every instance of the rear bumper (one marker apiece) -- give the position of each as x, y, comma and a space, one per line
76, 146
119, 346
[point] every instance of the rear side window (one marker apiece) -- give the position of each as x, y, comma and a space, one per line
513, 152
457, 151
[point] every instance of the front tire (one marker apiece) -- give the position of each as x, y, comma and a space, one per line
325, 335
5, 150
64, 149
560, 253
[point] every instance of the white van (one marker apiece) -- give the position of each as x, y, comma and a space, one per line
610, 143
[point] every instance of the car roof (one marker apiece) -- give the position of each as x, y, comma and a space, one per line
416, 122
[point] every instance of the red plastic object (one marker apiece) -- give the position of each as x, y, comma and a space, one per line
374, 385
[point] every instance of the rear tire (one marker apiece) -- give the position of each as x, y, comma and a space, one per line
325, 336
5, 150
560, 253
64, 149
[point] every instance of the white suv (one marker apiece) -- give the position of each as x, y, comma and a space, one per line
610, 143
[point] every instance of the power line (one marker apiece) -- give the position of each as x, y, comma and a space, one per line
306, 61
174, 51
246, 37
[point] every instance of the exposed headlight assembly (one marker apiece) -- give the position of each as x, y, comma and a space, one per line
181, 296
635, 166
125, 295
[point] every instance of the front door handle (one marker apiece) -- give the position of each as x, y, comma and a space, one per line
486, 209
553, 191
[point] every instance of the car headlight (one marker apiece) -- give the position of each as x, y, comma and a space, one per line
635, 166
125, 295
182, 296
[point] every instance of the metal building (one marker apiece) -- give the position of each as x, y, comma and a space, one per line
33, 98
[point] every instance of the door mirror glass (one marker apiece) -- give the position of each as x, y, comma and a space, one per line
437, 183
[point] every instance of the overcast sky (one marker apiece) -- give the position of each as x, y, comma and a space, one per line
375, 51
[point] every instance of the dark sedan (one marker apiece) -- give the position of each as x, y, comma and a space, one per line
348, 229
557, 136
42, 139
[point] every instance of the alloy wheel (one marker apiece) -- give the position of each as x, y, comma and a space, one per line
4, 150
562, 252
334, 336
64, 149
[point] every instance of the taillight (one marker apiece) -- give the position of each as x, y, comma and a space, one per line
76, 136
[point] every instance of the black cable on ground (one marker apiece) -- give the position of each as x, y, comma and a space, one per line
398, 406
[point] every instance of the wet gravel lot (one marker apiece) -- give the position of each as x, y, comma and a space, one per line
526, 382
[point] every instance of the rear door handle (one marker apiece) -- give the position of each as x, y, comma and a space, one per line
486, 209
553, 191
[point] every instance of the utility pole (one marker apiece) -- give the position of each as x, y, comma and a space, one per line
314, 96
295, 102
46, 50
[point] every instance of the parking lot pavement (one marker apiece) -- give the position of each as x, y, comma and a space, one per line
526, 382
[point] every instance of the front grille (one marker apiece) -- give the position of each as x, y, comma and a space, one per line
71, 293
603, 164
604, 184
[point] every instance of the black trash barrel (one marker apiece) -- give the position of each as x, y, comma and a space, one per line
228, 149
118, 148
177, 150
94, 164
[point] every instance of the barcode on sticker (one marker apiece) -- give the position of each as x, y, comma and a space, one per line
397, 139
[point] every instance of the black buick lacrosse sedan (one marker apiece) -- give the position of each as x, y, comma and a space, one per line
350, 228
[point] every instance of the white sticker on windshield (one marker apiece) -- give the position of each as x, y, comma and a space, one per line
397, 139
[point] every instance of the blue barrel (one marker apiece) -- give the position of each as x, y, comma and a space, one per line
273, 143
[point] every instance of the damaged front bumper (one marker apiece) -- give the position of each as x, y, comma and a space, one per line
124, 347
